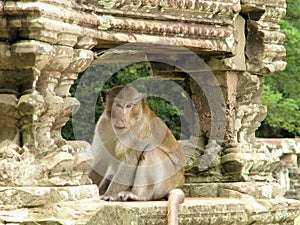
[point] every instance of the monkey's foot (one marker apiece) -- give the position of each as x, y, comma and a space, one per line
127, 195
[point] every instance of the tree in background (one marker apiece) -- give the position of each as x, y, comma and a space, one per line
282, 90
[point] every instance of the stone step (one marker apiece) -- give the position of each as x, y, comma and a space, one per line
92, 211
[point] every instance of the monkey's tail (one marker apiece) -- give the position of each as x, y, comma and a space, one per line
176, 196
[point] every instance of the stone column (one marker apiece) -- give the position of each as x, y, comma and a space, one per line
39, 61
264, 52
258, 52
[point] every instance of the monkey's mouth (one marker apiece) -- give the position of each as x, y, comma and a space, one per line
121, 128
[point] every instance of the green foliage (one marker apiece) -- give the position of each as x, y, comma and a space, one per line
168, 113
283, 112
165, 110
282, 90
270, 97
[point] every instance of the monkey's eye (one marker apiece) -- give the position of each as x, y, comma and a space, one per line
128, 106
119, 105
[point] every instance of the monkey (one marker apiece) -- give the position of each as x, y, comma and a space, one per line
137, 158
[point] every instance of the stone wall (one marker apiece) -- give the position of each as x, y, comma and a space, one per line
45, 44
287, 173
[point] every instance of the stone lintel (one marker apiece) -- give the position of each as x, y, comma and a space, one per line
205, 26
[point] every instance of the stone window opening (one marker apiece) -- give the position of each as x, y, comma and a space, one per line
131, 74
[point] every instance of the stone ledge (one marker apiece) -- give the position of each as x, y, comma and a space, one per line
28, 197
92, 211
257, 190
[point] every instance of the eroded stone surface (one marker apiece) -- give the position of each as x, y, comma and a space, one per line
258, 190
45, 44
92, 211
45, 52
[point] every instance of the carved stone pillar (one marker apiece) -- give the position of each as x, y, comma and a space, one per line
242, 158
264, 52
258, 51
9, 116
35, 115
35, 77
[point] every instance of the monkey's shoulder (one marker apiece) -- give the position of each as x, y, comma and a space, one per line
103, 122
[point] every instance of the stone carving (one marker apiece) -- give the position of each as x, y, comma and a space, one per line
189, 5
204, 163
36, 105
288, 172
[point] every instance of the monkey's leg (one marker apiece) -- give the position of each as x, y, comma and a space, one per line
94, 176
101, 166
156, 175
100, 181
121, 181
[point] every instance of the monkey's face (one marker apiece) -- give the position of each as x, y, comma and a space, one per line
125, 114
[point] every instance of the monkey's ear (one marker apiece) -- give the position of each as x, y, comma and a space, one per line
103, 95
141, 97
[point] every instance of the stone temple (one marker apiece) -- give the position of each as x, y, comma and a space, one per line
45, 44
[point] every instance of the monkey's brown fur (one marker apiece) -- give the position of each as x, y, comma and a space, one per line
136, 155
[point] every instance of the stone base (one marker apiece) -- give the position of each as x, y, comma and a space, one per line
30, 197
80, 205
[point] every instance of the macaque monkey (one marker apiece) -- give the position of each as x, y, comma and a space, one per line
136, 155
